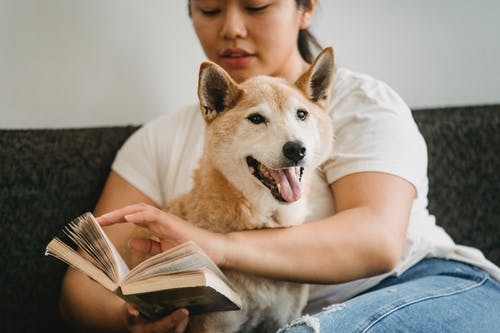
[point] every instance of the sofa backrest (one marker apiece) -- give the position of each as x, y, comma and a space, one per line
48, 177
464, 173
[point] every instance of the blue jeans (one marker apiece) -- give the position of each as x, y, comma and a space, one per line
435, 295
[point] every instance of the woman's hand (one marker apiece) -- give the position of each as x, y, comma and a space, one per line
169, 230
176, 322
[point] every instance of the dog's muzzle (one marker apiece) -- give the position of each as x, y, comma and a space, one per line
284, 184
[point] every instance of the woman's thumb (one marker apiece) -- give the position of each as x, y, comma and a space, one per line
144, 245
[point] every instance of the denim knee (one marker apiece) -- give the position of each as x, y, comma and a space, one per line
454, 297
310, 324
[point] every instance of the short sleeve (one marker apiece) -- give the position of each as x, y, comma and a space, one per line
137, 162
375, 132
159, 157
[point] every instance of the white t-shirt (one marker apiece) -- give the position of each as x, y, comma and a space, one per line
374, 131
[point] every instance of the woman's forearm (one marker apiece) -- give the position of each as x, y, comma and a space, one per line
350, 245
90, 307
84, 303
365, 237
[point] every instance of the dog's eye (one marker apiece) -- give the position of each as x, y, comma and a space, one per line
302, 114
256, 118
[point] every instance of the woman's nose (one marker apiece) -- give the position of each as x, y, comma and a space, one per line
234, 23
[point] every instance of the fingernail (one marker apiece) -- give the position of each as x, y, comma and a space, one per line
181, 315
133, 312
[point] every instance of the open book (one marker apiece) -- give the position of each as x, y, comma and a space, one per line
182, 277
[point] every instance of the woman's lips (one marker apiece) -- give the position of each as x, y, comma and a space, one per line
236, 58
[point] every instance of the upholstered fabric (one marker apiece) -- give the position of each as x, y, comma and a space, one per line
48, 177
464, 173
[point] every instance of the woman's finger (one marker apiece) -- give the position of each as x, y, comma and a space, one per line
118, 215
174, 322
143, 217
132, 311
156, 220
181, 327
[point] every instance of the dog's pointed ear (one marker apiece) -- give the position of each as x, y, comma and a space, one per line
316, 82
217, 92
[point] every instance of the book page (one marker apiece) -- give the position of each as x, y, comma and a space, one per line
188, 262
86, 232
121, 266
172, 281
186, 279
186, 256
63, 252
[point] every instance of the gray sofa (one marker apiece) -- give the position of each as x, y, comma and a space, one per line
48, 177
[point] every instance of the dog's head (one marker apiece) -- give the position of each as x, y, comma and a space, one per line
266, 132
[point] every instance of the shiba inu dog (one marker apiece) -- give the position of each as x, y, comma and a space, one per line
263, 139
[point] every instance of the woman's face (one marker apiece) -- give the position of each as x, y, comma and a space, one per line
251, 37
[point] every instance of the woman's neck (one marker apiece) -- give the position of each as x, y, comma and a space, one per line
293, 69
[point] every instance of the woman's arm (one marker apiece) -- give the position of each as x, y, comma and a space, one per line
88, 305
364, 238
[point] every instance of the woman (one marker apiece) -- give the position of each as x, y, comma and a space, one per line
370, 242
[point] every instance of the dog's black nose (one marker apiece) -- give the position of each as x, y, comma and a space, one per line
294, 151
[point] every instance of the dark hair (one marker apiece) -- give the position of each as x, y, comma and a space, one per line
306, 41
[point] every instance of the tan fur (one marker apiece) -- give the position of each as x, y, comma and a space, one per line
213, 203
226, 197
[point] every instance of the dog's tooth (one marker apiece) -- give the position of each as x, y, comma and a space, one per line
262, 168
279, 187
264, 171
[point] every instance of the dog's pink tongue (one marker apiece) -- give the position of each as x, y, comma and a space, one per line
289, 185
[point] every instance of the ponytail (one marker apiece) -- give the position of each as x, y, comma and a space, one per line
306, 41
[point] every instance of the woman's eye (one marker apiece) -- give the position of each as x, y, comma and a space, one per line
256, 9
301, 114
210, 12
256, 118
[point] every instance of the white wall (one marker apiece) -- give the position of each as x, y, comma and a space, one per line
111, 62
433, 52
